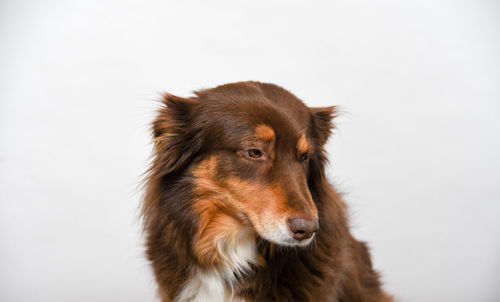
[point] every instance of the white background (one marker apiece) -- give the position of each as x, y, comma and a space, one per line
417, 150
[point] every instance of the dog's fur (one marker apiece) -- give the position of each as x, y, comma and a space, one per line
230, 166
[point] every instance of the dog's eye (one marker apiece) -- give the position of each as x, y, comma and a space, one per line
304, 157
254, 153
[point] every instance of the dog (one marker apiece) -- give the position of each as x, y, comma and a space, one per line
237, 206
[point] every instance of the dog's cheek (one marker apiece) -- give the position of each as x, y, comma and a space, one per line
266, 206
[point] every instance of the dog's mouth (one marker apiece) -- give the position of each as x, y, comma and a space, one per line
287, 242
283, 235
280, 232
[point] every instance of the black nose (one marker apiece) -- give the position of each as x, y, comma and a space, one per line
303, 228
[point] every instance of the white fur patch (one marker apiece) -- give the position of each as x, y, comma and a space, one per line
203, 287
216, 285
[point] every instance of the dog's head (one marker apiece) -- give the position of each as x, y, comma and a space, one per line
252, 152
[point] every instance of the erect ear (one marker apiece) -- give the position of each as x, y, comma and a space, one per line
176, 141
322, 122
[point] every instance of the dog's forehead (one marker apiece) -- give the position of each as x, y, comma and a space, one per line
254, 104
278, 121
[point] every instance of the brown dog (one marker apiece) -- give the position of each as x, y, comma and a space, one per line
237, 206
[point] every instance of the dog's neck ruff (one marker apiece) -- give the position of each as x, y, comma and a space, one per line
216, 284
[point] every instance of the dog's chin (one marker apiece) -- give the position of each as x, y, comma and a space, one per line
285, 239
292, 242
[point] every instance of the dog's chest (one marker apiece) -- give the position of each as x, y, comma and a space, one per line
215, 284
207, 287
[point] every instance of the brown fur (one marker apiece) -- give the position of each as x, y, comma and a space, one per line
230, 164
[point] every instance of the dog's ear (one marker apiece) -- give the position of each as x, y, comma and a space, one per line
175, 139
321, 128
322, 122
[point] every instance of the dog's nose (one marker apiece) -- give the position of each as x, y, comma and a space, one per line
303, 228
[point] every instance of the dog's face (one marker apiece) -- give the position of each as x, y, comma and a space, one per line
251, 150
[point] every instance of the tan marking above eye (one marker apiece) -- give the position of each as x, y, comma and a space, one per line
303, 145
264, 132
